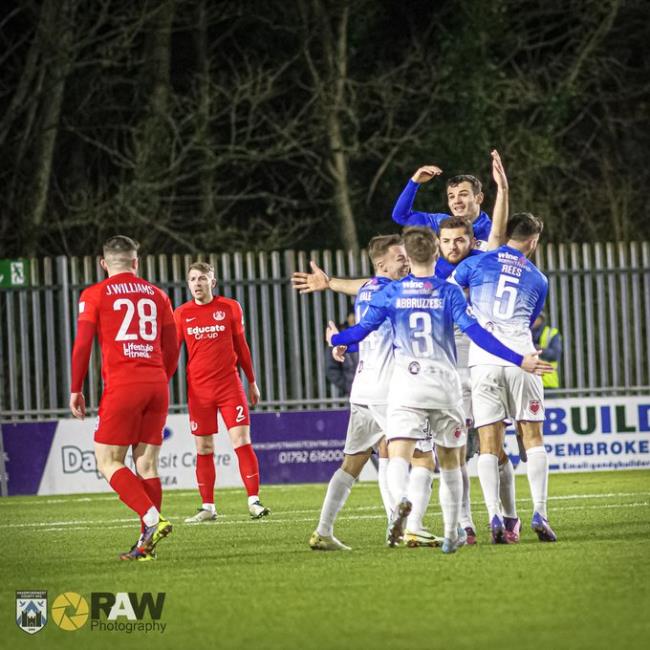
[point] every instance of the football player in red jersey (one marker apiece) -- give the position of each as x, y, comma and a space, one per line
134, 323
213, 330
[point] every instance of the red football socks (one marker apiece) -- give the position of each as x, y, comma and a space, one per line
130, 490
205, 476
153, 488
249, 469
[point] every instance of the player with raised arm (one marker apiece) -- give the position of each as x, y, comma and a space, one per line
464, 198
212, 328
425, 386
369, 395
456, 244
133, 321
507, 293
422, 464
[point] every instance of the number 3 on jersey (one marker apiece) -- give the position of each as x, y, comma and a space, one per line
147, 323
505, 297
420, 323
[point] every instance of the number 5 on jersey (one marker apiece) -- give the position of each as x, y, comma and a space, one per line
505, 297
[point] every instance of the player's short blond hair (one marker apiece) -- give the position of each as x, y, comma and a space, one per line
202, 267
378, 246
421, 244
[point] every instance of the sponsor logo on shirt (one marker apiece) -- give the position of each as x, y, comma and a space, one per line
137, 350
208, 331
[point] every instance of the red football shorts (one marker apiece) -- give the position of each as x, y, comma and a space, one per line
132, 413
231, 402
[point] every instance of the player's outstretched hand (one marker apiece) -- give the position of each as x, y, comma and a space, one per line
533, 364
317, 280
426, 173
253, 393
498, 171
330, 331
338, 353
78, 405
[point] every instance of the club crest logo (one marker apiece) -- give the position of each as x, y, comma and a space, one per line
414, 367
219, 315
458, 432
534, 406
31, 610
194, 425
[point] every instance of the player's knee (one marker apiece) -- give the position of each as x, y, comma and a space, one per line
146, 467
240, 436
204, 445
353, 464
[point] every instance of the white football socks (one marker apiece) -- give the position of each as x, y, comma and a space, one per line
451, 493
419, 494
538, 478
151, 517
338, 491
466, 520
382, 478
507, 489
488, 474
397, 476
209, 507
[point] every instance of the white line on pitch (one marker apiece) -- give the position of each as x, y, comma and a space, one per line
272, 520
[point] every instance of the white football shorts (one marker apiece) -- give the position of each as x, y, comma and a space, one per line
506, 392
466, 386
365, 428
447, 425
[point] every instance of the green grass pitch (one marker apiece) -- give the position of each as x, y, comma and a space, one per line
237, 583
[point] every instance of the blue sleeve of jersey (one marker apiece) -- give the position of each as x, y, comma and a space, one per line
539, 305
353, 348
463, 272
460, 310
485, 340
372, 318
405, 216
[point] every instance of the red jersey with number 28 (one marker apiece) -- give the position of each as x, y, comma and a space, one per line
132, 319
216, 344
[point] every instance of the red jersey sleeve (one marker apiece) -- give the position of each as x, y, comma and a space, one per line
83, 343
240, 344
168, 341
178, 320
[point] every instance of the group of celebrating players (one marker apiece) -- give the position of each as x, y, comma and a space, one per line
431, 369
435, 367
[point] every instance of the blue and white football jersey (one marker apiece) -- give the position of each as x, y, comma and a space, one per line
422, 313
375, 366
507, 293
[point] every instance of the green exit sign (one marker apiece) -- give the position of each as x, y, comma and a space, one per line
14, 273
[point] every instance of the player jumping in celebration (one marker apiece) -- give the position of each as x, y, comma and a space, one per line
425, 386
135, 326
464, 198
507, 293
213, 330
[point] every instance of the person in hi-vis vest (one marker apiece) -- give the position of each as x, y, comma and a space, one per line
549, 340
